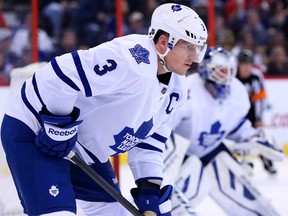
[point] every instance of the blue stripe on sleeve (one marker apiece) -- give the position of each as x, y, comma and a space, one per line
29, 106
159, 137
148, 147
238, 126
36, 89
81, 72
62, 76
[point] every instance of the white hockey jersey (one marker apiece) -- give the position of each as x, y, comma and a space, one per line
121, 100
206, 121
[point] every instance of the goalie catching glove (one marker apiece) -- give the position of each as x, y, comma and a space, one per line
261, 144
149, 197
58, 134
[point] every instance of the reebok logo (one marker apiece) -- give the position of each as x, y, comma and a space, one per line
62, 133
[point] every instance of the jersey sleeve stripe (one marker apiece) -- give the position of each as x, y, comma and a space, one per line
238, 126
28, 105
159, 138
81, 72
148, 147
62, 76
36, 89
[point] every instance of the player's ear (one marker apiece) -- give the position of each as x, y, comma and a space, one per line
162, 43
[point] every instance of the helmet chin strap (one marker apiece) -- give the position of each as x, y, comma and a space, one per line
162, 61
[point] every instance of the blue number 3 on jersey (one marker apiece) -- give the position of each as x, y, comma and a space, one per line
106, 68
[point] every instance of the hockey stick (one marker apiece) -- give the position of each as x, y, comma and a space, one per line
184, 201
107, 187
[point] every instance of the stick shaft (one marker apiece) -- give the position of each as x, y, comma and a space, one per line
99, 180
184, 201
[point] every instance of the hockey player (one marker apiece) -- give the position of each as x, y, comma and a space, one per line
216, 109
110, 99
253, 80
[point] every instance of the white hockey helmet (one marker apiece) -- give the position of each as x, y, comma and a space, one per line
180, 22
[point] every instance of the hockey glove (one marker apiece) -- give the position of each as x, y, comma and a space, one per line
149, 197
266, 147
260, 144
58, 134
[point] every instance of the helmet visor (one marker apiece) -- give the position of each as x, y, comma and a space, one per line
200, 51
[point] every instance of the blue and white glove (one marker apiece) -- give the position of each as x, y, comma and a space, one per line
262, 143
58, 134
265, 144
149, 197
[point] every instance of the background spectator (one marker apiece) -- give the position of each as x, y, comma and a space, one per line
66, 43
22, 40
278, 62
260, 26
136, 23
5, 56
91, 19
56, 15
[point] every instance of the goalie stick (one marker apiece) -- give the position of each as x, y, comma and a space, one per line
107, 187
184, 201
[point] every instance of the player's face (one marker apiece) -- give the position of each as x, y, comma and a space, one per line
180, 58
244, 69
222, 75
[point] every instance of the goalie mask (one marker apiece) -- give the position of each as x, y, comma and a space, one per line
217, 69
180, 22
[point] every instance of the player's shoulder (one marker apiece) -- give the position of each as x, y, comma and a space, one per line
135, 39
194, 78
134, 54
194, 82
196, 88
239, 92
136, 44
237, 86
128, 42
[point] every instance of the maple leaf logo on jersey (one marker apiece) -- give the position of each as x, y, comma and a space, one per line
176, 8
210, 138
54, 191
140, 54
127, 139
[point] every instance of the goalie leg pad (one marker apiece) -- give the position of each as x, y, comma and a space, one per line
176, 147
234, 192
194, 183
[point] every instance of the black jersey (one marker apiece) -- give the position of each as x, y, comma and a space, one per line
257, 94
